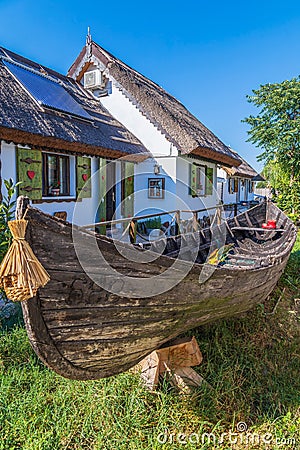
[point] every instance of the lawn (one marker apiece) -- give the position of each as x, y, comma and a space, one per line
252, 365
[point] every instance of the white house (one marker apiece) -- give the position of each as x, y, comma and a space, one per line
104, 138
181, 172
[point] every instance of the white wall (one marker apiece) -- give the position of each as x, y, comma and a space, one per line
128, 114
176, 171
85, 209
183, 176
144, 171
265, 192
8, 163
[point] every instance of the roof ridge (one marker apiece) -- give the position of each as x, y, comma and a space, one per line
127, 66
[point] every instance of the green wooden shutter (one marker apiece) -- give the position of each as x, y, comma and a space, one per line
30, 173
193, 180
83, 177
102, 195
128, 201
209, 181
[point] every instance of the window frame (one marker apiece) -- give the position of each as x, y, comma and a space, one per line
201, 173
162, 188
233, 185
45, 180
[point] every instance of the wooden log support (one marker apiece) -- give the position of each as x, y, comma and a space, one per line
175, 363
185, 379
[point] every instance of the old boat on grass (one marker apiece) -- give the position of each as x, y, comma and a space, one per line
84, 331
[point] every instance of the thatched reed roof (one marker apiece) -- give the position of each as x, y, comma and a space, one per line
244, 170
24, 121
170, 116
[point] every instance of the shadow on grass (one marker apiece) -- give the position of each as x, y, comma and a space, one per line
253, 362
253, 366
10, 315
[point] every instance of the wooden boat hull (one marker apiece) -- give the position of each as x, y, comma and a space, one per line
82, 331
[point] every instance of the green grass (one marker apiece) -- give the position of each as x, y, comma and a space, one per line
252, 364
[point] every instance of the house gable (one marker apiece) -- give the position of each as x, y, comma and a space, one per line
165, 112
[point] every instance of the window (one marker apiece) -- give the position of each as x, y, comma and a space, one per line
201, 180
156, 188
233, 185
56, 175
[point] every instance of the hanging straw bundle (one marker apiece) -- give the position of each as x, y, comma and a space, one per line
21, 274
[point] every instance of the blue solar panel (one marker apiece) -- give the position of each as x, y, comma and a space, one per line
46, 91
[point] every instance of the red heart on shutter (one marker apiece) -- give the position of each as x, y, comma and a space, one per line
129, 179
103, 178
30, 174
85, 176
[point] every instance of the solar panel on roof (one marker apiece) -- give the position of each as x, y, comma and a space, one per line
47, 91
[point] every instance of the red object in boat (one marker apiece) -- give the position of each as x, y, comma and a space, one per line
270, 225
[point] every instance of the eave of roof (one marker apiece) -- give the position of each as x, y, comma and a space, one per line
50, 143
243, 171
258, 177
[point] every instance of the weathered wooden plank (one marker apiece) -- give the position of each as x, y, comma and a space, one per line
258, 229
86, 316
93, 350
82, 294
113, 331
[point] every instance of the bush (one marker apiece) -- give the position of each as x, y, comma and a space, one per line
7, 207
10, 313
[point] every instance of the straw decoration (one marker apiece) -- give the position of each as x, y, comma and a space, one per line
21, 274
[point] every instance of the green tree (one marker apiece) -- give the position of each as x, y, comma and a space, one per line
276, 129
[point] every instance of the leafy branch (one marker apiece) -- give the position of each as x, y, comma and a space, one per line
7, 208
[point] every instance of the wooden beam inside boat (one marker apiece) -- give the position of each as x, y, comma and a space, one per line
258, 229
148, 216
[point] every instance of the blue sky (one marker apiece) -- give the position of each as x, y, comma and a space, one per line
209, 55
